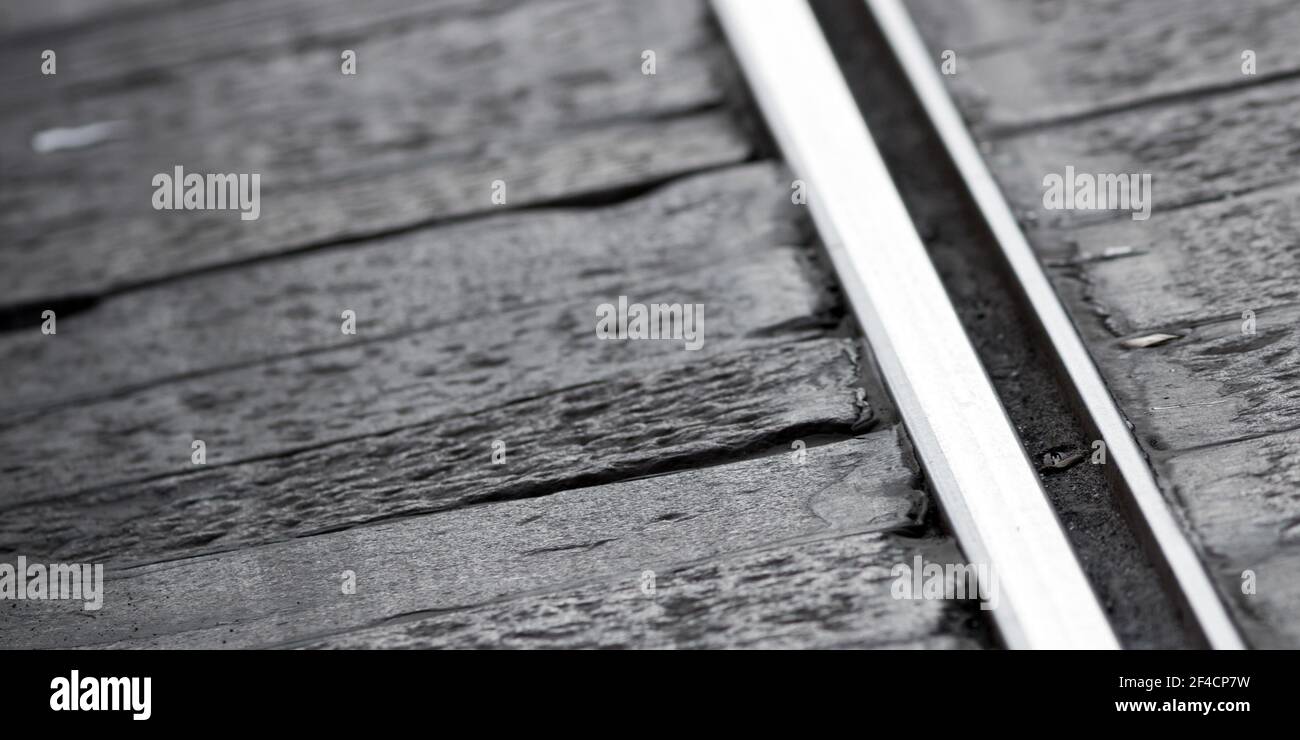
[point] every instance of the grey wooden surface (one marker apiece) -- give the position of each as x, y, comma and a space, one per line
372, 453
1158, 88
1030, 63
738, 546
548, 97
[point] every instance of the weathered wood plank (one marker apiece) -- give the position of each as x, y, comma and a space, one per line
1197, 264
28, 16
1198, 150
631, 423
427, 280
1243, 500
150, 34
468, 558
1214, 384
420, 134
1024, 63
822, 594
419, 87
305, 402
518, 290
1194, 273
89, 258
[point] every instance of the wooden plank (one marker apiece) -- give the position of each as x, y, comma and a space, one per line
705, 242
823, 594
133, 36
26, 17
1242, 501
1198, 264
469, 558
632, 423
90, 258
305, 402
1027, 63
1196, 151
1194, 273
427, 280
1213, 384
446, 84
555, 115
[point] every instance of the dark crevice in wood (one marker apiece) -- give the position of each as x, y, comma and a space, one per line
777, 443
26, 316
19, 413
292, 451
1190, 95
1171, 451
19, 317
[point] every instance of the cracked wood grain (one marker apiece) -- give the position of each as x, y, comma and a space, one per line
511, 303
1203, 149
533, 95
831, 593
429, 279
633, 423
1021, 64
768, 518
1198, 264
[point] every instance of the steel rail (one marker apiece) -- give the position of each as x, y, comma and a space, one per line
1127, 466
989, 492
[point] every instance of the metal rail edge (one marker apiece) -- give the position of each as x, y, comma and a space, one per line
1127, 467
989, 492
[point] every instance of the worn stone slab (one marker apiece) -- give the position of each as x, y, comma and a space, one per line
430, 279
1243, 501
446, 109
1027, 63
631, 423
1197, 150
291, 591
822, 594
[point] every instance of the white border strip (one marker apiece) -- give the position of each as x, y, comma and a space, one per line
972, 456
1185, 568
